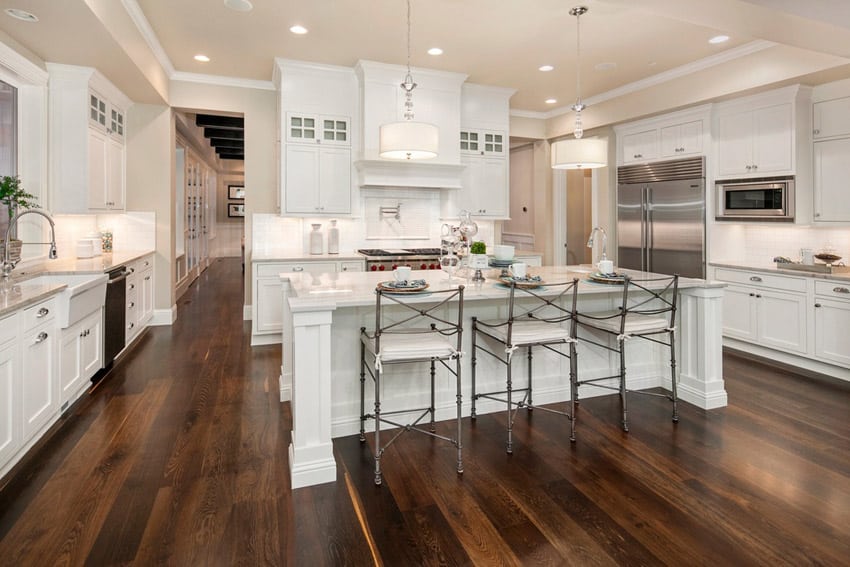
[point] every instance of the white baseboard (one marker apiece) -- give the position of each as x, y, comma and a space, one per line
164, 317
262, 340
246, 313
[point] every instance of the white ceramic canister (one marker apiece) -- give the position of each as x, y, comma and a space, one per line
333, 238
316, 240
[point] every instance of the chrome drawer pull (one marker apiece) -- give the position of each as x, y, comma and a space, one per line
841, 290
755, 279
42, 312
42, 336
297, 269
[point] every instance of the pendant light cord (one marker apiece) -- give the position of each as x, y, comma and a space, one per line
408, 37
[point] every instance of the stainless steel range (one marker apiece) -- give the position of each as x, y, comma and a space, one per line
387, 259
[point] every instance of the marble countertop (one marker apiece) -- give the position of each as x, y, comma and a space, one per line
775, 269
300, 257
349, 289
17, 294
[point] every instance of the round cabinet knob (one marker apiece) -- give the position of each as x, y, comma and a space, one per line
817, 305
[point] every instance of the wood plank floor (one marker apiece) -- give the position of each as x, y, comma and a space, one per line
180, 457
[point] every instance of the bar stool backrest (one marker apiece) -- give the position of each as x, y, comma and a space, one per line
551, 303
656, 297
418, 316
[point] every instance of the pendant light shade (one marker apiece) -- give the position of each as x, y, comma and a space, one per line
579, 153
409, 139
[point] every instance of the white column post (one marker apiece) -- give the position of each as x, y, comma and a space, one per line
700, 338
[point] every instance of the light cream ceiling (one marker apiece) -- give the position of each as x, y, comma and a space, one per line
495, 42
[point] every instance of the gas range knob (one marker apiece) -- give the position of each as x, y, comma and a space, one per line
423, 267
395, 266
374, 268
382, 267
432, 266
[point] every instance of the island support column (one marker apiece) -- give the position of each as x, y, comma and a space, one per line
700, 338
311, 459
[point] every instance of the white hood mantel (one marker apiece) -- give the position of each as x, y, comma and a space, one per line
418, 174
437, 100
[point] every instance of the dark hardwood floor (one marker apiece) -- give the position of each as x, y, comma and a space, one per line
180, 457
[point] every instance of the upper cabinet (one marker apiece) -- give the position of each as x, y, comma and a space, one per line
87, 136
679, 134
316, 106
764, 135
831, 118
831, 160
483, 147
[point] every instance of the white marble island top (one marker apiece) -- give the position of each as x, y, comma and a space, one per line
350, 289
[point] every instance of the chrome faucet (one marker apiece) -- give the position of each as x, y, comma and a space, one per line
8, 263
604, 240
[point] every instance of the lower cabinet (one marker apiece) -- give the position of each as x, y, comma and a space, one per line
80, 355
39, 396
832, 322
10, 371
267, 312
771, 318
140, 282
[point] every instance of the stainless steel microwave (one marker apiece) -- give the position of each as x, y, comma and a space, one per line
756, 199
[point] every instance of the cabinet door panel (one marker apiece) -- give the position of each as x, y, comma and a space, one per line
832, 180
832, 327
98, 176
831, 118
91, 346
9, 399
69, 361
735, 146
491, 190
268, 315
335, 180
114, 174
690, 137
302, 179
640, 147
739, 317
772, 141
782, 321
39, 397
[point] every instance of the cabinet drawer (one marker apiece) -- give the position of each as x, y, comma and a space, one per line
267, 270
39, 314
834, 289
351, 266
761, 279
8, 329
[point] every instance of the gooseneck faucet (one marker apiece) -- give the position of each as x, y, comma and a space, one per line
604, 240
8, 263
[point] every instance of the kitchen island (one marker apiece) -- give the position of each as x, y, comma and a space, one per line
323, 314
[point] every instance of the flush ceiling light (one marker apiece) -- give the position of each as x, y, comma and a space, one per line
435, 51
239, 5
408, 139
545, 68
202, 58
21, 15
298, 30
579, 153
719, 39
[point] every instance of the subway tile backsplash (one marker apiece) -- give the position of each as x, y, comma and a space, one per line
758, 244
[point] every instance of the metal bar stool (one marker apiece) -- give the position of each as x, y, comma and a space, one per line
415, 331
648, 310
537, 317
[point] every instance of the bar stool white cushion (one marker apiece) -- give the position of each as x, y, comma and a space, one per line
412, 346
526, 332
635, 322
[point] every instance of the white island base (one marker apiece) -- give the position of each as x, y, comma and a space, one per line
323, 314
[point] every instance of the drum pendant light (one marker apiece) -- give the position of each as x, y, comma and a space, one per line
408, 139
579, 153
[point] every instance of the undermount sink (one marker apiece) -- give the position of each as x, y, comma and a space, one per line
84, 293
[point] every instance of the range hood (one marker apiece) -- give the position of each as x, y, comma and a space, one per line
437, 100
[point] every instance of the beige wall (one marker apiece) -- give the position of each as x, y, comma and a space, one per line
258, 108
521, 191
150, 185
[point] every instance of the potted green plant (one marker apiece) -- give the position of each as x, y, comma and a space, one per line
13, 196
478, 255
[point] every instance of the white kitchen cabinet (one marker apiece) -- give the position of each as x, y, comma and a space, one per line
483, 143
678, 140
266, 321
831, 118
831, 163
832, 322
87, 139
39, 391
139, 296
485, 190
739, 313
317, 179
640, 146
10, 397
320, 129
80, 356
146, 292
756, 141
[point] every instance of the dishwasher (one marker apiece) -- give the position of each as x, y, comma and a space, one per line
114, 317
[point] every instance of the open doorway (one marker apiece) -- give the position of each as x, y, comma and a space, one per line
209, 192
579, 216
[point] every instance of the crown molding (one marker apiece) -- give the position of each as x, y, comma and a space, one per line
27, 71
135, 12
658, 79
222, 81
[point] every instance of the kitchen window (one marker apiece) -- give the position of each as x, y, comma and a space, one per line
8, 139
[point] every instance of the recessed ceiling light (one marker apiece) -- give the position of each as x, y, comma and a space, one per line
239, 5
607, 66
298, 30
21, 14
719, 39
202, 58
545, 68
551, 100
435, 51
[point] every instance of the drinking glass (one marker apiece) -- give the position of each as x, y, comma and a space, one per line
449, 263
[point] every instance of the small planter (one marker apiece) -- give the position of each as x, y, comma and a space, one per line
478, 261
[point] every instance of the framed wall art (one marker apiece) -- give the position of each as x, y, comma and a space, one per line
235, 209
236, 192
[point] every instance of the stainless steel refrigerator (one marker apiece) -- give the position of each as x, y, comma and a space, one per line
661, 217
